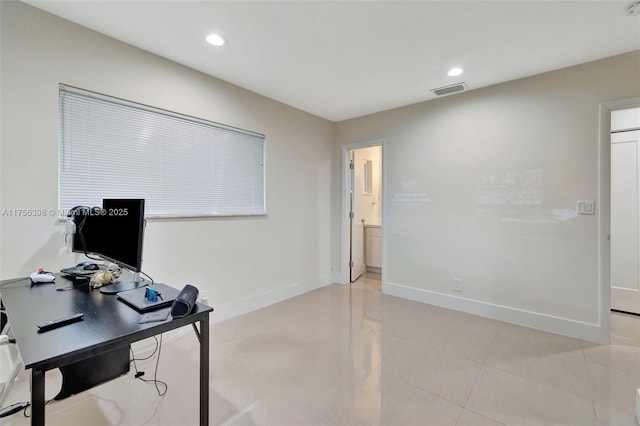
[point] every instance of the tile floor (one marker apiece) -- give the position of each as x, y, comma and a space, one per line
348, 355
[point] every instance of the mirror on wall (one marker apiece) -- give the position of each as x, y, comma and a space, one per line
367, 177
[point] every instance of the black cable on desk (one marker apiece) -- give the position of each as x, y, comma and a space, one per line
74, 286
147, 275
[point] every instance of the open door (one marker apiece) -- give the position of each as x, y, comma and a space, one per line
625, 214
625, 210
356, 222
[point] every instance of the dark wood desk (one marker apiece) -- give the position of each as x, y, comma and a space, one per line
108, 326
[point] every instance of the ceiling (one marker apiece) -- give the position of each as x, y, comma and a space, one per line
344, 59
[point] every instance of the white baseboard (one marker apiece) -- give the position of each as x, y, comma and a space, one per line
553, 324
336, 278
261, 300
638, 406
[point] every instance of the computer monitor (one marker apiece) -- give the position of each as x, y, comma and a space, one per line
87, 236
123, 232
114, 233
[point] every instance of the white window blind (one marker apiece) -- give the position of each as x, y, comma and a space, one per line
182, 166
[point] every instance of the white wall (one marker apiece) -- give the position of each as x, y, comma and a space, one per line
231, 259
494, 175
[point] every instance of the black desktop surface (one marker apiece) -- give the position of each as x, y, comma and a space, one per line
107, 323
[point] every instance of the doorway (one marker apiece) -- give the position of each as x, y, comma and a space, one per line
625, 210
362, 231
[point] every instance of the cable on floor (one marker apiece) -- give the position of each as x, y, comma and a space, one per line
139, 374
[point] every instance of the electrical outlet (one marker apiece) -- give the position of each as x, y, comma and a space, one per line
203, 297
457, 284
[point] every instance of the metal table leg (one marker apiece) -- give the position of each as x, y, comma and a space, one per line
204, 371
37, 397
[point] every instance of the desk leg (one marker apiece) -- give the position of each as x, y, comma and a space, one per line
37, 397
204, 371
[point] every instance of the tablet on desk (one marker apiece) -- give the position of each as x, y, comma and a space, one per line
137, 300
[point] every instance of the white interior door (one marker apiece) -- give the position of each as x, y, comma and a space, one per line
356, 261
625, 236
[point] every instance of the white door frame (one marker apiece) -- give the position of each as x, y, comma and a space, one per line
345, 204
604, 210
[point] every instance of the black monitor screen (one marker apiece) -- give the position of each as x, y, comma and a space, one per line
88, 234
116, 234
123, 232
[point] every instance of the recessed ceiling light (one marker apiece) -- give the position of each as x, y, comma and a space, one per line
454, 72
216, 40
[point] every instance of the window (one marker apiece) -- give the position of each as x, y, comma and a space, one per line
182, 166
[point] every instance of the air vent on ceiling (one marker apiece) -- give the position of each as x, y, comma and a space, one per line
445, 90
633, 8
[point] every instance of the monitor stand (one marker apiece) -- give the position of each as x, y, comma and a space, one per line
124, 285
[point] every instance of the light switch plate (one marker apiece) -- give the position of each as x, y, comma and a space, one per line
585, 207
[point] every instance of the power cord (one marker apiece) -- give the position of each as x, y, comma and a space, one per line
14, 408
28, 404
75, 286
86, 210
139, 374
147, 275
133, 359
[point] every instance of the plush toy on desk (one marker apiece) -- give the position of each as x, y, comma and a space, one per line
105, 277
